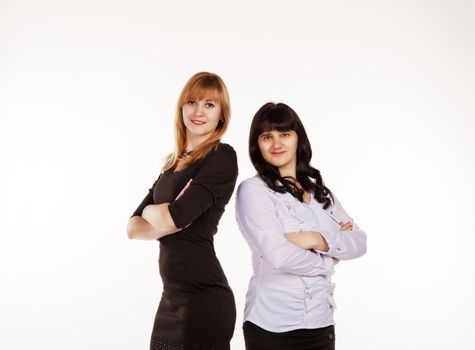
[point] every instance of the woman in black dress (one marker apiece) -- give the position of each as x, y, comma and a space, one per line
182, 210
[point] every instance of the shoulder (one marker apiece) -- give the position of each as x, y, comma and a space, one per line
256, 189
222, 153
219, 162
335, 205
225, 147
254, 185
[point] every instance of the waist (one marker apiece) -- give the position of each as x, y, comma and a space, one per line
288, 302
191, 269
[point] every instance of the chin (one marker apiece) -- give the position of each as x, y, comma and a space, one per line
276, 164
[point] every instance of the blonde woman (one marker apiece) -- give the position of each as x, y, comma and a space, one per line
182, 210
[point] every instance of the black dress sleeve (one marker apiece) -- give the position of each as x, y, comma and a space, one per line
213, 184
146, 201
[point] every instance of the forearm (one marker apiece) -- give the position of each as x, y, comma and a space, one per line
291, 259
308, 240
346, 245
320, 242
139, 228
158, 216
283, 255
350, 241
155, 223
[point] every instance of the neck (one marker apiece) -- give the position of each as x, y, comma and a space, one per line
289, 169
193, 141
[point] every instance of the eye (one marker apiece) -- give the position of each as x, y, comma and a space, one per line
191, 102
209, 105
285, 134
266, 137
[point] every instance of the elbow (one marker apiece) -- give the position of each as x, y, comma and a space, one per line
274, 260
300, 268
130, 229
360, 247
278, 262
130, 234
360, 251
352, 249
284, 256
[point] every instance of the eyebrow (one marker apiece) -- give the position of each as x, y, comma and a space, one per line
197, 99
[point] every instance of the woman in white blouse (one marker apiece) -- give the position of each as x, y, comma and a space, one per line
297, 230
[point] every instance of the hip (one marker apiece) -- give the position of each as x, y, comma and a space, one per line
257, 338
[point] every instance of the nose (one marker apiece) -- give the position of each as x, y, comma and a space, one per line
276, 144
198, 109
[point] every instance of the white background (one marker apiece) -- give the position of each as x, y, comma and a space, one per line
87, 97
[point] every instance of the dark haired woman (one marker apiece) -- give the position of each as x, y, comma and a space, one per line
182, 210
297, 230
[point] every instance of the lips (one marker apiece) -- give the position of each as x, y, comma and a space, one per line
277, 153
197, 122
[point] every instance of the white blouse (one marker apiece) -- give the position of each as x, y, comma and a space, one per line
291, 287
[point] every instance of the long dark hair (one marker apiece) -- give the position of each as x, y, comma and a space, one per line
280, 117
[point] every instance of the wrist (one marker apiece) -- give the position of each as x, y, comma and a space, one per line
145, 211
321, 243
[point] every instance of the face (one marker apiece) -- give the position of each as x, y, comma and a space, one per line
201, 117
279, 148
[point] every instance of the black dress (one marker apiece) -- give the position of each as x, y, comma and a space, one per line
197, 309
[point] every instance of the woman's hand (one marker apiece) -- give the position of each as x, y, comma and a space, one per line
346, 226
308, 240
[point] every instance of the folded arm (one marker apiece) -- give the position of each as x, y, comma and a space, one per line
308, 240
345, 244
151, 221
262, 229
315, 240
155, 223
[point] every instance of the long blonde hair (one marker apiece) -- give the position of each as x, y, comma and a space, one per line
200, 86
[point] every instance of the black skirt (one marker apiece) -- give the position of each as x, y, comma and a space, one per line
163, 344
257, 338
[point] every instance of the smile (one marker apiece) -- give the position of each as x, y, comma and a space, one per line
277, 153
197, 122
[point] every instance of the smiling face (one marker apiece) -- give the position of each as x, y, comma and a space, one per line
201, 117
279, 148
